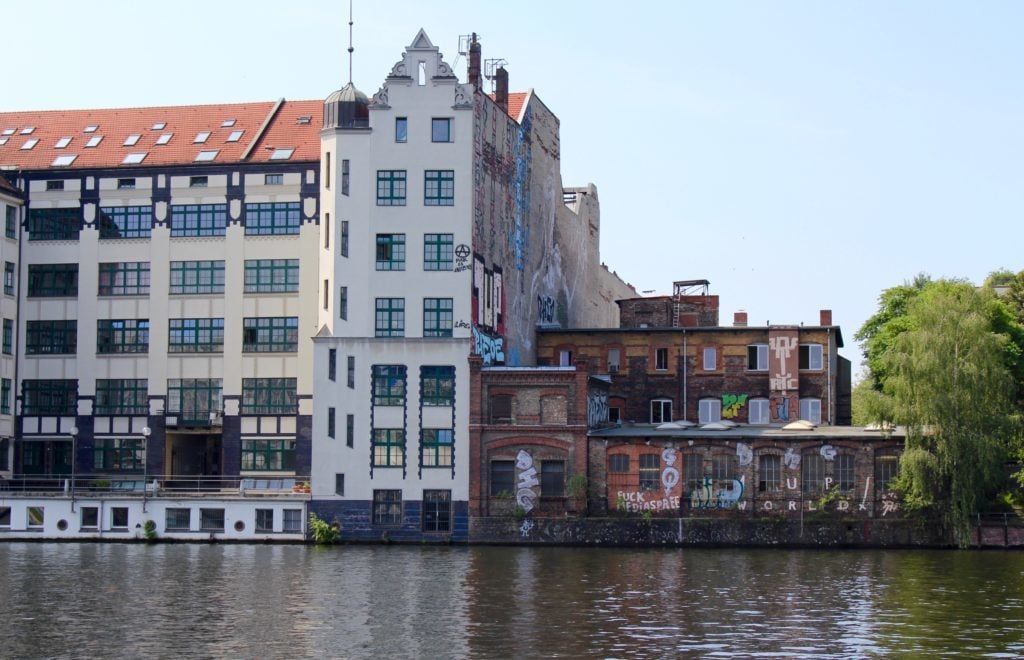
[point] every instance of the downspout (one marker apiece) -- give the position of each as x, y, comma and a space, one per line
686, 363
829, 376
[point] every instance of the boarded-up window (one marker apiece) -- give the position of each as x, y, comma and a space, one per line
501, 409
553, 410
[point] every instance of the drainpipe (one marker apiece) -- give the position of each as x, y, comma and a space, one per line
829, 376
686, 362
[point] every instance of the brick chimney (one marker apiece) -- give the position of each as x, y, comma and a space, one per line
501, 88
474, 63
739, 319
826, 317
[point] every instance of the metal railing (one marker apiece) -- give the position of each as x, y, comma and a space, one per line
155, 486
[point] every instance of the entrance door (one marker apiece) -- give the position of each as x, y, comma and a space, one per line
194, 454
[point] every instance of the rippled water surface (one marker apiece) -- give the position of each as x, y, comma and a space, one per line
94, 600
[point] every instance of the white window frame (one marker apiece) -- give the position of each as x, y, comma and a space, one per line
661, 404
565, 357
811, 357
810, 410
759, 411
616, 363
709, 410
710, 358
762, 357
658, 352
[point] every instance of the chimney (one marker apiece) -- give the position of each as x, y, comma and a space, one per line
501, 88
739, 319
826, 317
474, 63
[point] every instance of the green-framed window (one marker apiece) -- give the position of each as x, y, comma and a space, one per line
198, 219
387, 507
195, 336
271, 275
390, 251
5, 396
9, 278
437, 510
268, 454
270, 334
122, 336
52, 280
390, 317
119, 454
126, 221
11, 226
125, 278
8, 340
54, 224
49, 397
388, 384
391, 187
439, 188
388, 447
122, 396
49, 337
197, 277
436, 447
437, 317
438, 251
194, 399
437, 386
272, 218
269, 396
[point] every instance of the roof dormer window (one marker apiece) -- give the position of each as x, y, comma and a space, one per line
235, 136
91, 128
227, 123
165, 138
63, 142
30, 143
201, 136
131, 140
159, 126
94, 141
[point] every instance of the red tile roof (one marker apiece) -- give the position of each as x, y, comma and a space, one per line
115, 125
516, 100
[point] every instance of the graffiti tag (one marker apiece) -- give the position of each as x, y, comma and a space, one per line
491, 349
670, 475
525, 495
744, 454
731, 404
545, 309
597, 408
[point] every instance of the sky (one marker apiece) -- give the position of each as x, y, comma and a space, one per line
799, 155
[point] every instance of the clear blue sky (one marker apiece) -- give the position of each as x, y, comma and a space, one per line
799, 155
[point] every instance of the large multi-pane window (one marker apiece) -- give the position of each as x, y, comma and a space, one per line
195, 336
270, 334
661, 411
437, 386
390, 317
503, 476
769, 472
5, 396
198, 219
844, 477
650, 471
812, 472
390, 251
810, 410
439, 188
194, 399
723, 470
49, 337
552, 478
388, 447
8, 337
119, 454
51, 280
388, 384
693, 471
9, 278
387, 507
268, 454
437, 317
122, 336
390, 187
49, 397
887, 468
437, 510
269, 396
122, 396
436, 446
126, 278
272, 218
126, 221
438, 251
197, 277
54, 224
271, 275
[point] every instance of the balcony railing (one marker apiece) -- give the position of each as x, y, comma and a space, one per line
153, 486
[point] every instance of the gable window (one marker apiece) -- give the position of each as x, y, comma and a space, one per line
389, 317
272, 219
126, 222
441, 129
437, 386
388, 447
401, 129
195, 335
650, 472
439, 188
710, 358
438, 251
757, 357
709, 410
390, 188
197, 277
437, 317
661, 359
810, 357
270, 334
661, 411
758, 411
54, 224
810, 410
769, 472
390, 251
388, 384
126, 278
436, 446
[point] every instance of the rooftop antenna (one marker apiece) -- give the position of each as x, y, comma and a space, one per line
491, 69
350, 48
464, 41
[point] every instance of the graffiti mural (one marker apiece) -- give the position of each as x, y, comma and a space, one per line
828, 452
669, 475
706, 497
783, 374
782, 410
744, 454
545, 310
597, 408
490, 349
791, 458
637, 502
526, 496
731, 404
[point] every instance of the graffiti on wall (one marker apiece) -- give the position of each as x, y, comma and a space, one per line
669, 475
791, 458
597, 408
545, 310
727, 496
783, 378
744, 454
782, 410
828, 452
461, 257
491, 349
519, 236
731, 404
526, 496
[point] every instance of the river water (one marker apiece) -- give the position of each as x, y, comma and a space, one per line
289, 601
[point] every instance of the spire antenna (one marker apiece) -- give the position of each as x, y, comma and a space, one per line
350, 48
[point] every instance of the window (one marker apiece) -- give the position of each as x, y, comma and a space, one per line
565, 358
438, 251
887, 468
126, 278
844, 472
339, 484
11, 226
693, 471
437, 510
344, 179
5, 396
327, 170
769, 472
277, 218
36, 516
661, 411
270, 334
810, 357
195, 336
8, 338
614, 414
390, 188
327, 231
51, 280
810, 410
90, 517
503, 475
388, 447
62, 143
758, 411
201, 137
64, 161
552, 478
234, 136
198, 219
178, 520
439, 188
54, 224
211, 520
812, 472
198, 181
390, 251
757, 357
437, 386
126, 184
723, 470
271, 275
388, 384
126, 221
614, 360
421, 78
661, 359
351, 371
197, 277
387, 507
437, 317
332, 363
650, 472
390, 317
501, 409
269, 396
343, 242
134, 158
709, 410
268, 454
264, 520
164, 138
49, 397
441, 129
710, 358
281, 154
401, 129
273, 179
618, 463
350, 430
343, 303
119, 454
292, 520
194, 399
94, 141
330, 422
122, 336
436, 446
122, 396
9, 278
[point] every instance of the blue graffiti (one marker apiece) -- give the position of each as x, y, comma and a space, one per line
705, 497
782, 410
491, 349
522, 153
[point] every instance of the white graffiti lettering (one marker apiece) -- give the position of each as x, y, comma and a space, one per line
597, 408
828, 452
525, 494
791, 458
491, 349
744, 454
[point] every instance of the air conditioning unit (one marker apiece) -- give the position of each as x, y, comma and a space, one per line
216, 419
613, 368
